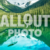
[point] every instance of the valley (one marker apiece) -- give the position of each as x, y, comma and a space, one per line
40, 8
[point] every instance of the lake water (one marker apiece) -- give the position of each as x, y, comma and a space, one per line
24, 43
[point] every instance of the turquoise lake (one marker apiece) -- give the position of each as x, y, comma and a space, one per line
24, 43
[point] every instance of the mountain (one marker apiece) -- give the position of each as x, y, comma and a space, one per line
32, 4
28, 4
25, 5
9, 7
37, 4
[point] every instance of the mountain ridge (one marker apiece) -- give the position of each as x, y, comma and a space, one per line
13, 8
10, 7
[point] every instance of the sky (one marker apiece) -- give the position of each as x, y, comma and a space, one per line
20, 1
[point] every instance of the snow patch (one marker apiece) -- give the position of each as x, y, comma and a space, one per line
1, 7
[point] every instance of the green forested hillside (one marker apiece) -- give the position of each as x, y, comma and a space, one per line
37, 4
10, 7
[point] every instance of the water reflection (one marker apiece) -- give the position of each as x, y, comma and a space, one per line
23, 43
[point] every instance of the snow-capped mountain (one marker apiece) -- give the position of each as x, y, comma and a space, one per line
24, 5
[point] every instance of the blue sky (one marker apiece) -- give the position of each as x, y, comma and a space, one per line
20, 1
